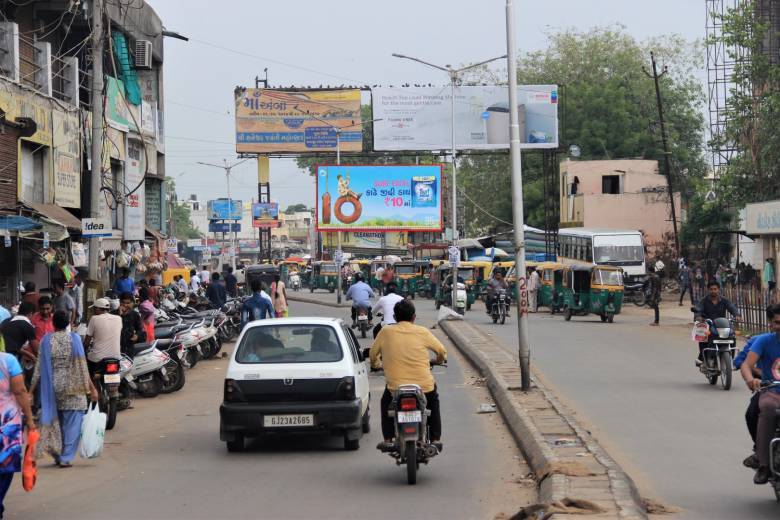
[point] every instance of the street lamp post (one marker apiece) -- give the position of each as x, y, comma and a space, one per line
227, 167
455, 76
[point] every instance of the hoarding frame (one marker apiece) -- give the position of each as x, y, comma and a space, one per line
231, 203
375, 229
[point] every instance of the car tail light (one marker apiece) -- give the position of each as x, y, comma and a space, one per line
232, 393
408, 403
112, 367
347, 387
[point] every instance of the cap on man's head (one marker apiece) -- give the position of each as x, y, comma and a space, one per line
102, 303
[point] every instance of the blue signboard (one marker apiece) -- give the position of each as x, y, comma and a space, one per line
223, 227
218, 209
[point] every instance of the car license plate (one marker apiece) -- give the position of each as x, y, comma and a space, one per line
284, 421
111, 378
409, 417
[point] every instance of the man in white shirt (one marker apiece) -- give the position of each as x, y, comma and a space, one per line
205, 276
104, 334
194, 281
386, 305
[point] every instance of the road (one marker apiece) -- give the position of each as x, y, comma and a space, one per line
636, 387
164, 460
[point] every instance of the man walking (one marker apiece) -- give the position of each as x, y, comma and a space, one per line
769, 274
685, 283
257, 307
652, 288
194, 281
215, 292
63, 301
534, 282
231, 282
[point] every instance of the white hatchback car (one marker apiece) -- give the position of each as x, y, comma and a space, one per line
295, 375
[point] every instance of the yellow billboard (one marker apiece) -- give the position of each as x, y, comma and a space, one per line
272, 121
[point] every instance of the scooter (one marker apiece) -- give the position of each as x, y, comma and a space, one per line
295, 282
718, 355
500, 308
147, 375
362, 321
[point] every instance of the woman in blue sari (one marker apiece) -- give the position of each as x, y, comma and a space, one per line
65, 384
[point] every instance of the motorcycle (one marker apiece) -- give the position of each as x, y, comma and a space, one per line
500, 308
295, 282
362, 321
774, 446
174, 368
147, 375
634, 292
107, 379
718, 355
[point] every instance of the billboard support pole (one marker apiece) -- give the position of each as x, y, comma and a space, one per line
453, 79
524, 349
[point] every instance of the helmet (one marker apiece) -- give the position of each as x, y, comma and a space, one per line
358, 277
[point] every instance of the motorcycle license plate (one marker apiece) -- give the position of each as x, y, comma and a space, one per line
409, 417
722, 341
111, 378
362, 318
286, 421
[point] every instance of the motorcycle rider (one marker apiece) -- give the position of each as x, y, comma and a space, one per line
386, 305
765, 355
496, 283
402, 351
714, 306
361, 295
104, 335
751, 414
446, 287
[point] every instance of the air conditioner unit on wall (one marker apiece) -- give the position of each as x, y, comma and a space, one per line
143, 54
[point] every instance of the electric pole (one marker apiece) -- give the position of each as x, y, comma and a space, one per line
97, 130
667, 164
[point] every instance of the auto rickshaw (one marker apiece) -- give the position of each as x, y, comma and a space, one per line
551, 277
324, 276
361, 266
406, 278
592, 289
423, 280
374, 281
263, 272
482, 271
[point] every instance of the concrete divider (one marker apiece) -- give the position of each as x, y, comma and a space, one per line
568, 463
295, 297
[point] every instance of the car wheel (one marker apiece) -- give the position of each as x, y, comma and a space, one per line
236, 445
351, 444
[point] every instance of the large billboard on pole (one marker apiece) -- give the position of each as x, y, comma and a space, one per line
420, 118
274, 121
379, 198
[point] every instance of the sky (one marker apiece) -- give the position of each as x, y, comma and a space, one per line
342, 42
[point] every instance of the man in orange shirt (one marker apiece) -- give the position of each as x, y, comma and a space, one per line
42, 320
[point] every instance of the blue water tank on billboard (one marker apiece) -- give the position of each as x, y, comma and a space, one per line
220, 209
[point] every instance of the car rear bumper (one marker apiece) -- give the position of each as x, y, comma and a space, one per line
247, 418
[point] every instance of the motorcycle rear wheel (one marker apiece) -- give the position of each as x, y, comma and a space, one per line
108, 406
725, 370
175, 373
639, 299
411, 462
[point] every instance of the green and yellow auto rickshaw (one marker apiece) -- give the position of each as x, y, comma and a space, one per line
406, 278
482, 272
551, 278
264, 273
324, 276
590, 289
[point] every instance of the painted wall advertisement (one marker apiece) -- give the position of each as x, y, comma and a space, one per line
763, 218
270, 120
265, 215
379, 198
28, 104
419, 118
67, 160
220, 209
135, 203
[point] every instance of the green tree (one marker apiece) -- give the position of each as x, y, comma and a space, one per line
293, 208
182, 220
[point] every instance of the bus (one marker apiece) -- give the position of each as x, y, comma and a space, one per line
618, 247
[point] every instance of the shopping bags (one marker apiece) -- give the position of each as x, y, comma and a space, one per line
29, 467
93, 430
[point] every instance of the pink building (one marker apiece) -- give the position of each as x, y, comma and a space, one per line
619, 194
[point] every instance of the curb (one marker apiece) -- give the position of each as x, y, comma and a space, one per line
303, 299
554, 485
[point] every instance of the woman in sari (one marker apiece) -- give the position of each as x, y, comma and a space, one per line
146, 308
64, 381
14, 400
279, 296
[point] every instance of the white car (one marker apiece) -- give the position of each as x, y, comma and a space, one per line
295, 375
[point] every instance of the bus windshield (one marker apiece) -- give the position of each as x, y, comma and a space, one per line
618, 249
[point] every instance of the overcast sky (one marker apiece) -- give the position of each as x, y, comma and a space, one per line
311, 42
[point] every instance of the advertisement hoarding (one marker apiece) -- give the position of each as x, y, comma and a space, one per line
368, 240
763, 218
269, 120
224, 227
419, 118
135, 203
379, 198
265, 215
219, 209
67, 160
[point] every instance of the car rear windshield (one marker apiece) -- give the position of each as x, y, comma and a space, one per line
290, 344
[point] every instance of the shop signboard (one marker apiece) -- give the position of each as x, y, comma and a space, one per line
420, 118
763, 218
265, 215
379, 198
67, 159
224, 227
95, 227
135, 203
270, 120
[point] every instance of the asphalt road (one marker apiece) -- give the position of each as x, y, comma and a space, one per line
164, 460
636, 387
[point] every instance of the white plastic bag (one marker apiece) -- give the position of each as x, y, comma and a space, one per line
93, 429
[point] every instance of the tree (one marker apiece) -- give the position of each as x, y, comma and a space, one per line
607, 109
182, 220
293, 208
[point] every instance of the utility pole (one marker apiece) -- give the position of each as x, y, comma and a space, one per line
524, 348
667, 164
97, 130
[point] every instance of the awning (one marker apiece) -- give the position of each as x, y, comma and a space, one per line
112, 243
57, 214
57, 232
156, 234
17, 223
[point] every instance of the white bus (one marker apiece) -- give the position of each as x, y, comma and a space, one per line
622, 248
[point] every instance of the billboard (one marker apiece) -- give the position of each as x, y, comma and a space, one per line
379, 198
224, 227
219, 209
419, 118
269, 120
369, 240
265, 215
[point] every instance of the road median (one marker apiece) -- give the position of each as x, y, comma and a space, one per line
314, 299
570, 466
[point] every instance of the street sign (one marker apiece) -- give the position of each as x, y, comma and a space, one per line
223, 227
338, 256
454, 252
95, 227
172, 245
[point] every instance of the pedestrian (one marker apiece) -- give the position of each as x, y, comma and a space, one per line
30, 294
279, 297
769, 274
216, 292
19, 332
652, 288
15, 409
194, 281
63, 302
205, 275
434, 276
231, 283
42, 320
256, 307
534, 282
64, 382
132, 325
77, 293
146, 308
685, 282
699, 280
154, 292
124, 283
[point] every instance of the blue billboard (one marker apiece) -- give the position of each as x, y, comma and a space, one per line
379, 198
219, 209
224, 227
